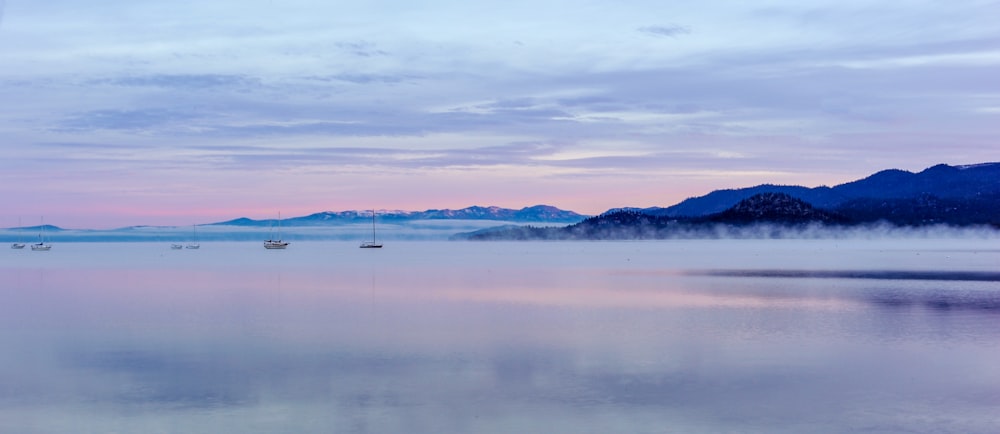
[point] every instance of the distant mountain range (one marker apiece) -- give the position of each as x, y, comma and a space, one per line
960, 196
532, 214
940, 195
970, 183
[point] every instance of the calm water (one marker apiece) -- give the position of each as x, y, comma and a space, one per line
454, 337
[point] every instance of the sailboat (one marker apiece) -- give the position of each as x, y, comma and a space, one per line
371, 244
40, 246
272, 243
194, 243
18, 244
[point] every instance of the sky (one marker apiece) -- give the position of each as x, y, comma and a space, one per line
118, 113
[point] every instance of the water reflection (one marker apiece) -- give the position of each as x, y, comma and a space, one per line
942, 300
462, 338
975, 276
953, 297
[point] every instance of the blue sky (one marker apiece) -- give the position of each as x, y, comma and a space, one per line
152, 112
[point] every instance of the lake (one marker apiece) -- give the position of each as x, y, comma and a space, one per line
680, 336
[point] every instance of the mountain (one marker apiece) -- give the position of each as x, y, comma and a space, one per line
924, 209
532, 214
537, 213
36, 228
964, 183
778, 208
940, 195
721, 200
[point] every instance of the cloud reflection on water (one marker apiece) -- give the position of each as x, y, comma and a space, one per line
486, 338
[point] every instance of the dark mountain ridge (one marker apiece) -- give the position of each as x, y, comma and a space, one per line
963, 183
778, 210
774, 208
924, 209
969, 196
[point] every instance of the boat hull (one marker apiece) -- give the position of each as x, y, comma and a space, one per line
275, 245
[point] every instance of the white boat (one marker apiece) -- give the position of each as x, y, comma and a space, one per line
18, 244
272, 243
275, 244
371, 244
194, 243
41, 246
176, 246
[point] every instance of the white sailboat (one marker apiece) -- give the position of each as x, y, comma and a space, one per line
41, 246
371, 244
18, 244
194, 240
271, 243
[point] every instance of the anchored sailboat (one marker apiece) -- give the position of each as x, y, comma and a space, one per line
18, 244
194, 240
372, 244
41, 246
272, 243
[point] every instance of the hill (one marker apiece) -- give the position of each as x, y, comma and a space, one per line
975, 186
773, 210
924, 209
971, 198
779, 208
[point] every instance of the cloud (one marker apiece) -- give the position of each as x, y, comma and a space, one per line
525, 153
342, 129
365, 78
361, 48
669, 31
847, 92
138, 120
182, 81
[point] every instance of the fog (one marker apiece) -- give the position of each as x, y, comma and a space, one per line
680, 230
438, 230
419, 230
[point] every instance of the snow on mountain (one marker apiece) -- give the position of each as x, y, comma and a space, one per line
535, 214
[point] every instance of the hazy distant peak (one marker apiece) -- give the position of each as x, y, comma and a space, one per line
536, 213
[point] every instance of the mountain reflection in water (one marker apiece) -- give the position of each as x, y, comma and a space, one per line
685, 336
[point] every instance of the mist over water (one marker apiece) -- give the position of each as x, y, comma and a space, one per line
883, 335
415, 230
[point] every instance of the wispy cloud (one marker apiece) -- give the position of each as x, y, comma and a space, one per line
128, 120
182, 81
365, 78
445, 93
670, 30
361, 48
